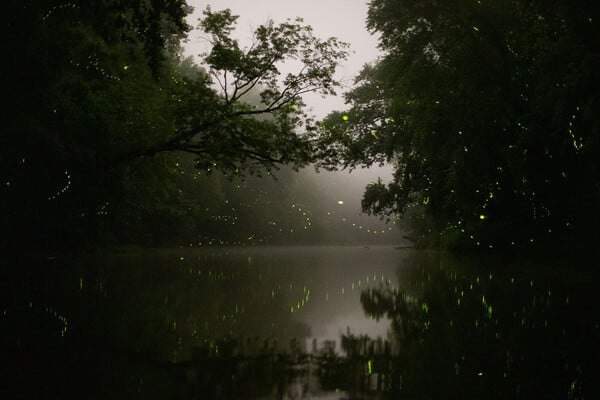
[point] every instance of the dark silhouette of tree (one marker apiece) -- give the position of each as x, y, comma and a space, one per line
486, 111
101, 105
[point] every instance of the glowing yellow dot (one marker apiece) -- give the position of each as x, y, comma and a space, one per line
345, 117
340, 202
482, 216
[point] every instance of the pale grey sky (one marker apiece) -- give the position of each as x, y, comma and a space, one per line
344, 19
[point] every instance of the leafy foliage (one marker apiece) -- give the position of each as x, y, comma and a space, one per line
101, 102
486, 111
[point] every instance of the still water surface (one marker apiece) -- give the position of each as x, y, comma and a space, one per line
298, 322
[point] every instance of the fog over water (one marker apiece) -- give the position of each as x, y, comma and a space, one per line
339, 18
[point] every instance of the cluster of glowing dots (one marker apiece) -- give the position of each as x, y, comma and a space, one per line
205, 240
578, 145
102, 210
94, 64
343, 220
537, 300
481, 217
305, 214
53, 313
57, 8
59, 317
64, 188
300, 303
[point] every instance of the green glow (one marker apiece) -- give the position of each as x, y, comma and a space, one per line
426, 200
374, 133
81, 283
482, 216
370, 366
425, 308
345, 117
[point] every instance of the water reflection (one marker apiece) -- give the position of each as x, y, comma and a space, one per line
291, 323
466, 330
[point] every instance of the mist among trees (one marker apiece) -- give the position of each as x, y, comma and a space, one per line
489, 113
486, 110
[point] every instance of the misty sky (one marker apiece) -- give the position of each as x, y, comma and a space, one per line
344, 19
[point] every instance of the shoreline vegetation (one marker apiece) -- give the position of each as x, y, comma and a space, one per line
112, 137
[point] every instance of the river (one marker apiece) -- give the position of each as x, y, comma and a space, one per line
298, 322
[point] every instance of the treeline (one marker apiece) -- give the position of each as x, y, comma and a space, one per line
103, 114
489, 112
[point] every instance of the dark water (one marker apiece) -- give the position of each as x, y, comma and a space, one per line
300, 322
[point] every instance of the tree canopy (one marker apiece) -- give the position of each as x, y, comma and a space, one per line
102, 104
488, 112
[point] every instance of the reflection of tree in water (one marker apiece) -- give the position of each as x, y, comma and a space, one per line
465, 333
401, 309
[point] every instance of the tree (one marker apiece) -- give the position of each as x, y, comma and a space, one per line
228, 134
102, 103
486, 130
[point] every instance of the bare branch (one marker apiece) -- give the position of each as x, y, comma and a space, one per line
225, 86
213, 73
